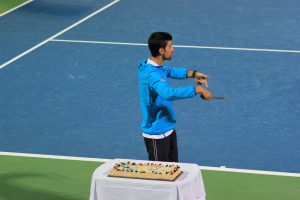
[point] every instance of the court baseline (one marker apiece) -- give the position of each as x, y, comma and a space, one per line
222, 168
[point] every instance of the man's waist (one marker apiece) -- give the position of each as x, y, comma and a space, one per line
158, 136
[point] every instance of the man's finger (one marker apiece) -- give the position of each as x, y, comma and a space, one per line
201, 77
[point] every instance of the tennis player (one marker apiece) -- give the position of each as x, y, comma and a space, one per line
156, 96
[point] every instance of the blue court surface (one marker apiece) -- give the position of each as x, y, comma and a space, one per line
68, 79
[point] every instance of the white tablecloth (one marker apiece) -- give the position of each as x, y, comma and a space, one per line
188, 186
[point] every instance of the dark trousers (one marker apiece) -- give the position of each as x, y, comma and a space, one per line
164, 149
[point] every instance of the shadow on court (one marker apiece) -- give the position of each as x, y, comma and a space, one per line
60, 8
32, 186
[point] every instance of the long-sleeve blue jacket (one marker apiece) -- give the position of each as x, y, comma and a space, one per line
156, 96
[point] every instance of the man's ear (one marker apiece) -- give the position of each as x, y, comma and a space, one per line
161, 51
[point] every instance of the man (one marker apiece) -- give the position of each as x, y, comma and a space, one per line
156, 96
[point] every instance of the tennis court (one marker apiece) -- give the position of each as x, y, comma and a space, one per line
68, 82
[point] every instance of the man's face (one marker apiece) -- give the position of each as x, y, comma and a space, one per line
168, 51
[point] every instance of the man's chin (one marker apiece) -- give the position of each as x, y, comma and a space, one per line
169, 58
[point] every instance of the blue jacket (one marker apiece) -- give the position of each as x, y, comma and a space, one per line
156, 96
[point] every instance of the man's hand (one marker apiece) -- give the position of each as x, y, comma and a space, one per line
204, 93
201, 79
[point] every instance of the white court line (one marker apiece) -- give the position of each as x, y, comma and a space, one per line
53, 157
179, 46
100, 42
23, 4
106, 160
57, 34
249, 171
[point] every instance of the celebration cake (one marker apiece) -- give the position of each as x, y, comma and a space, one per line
153, 171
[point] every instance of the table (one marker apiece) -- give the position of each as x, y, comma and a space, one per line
188, 186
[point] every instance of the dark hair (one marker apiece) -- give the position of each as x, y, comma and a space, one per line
158, 40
